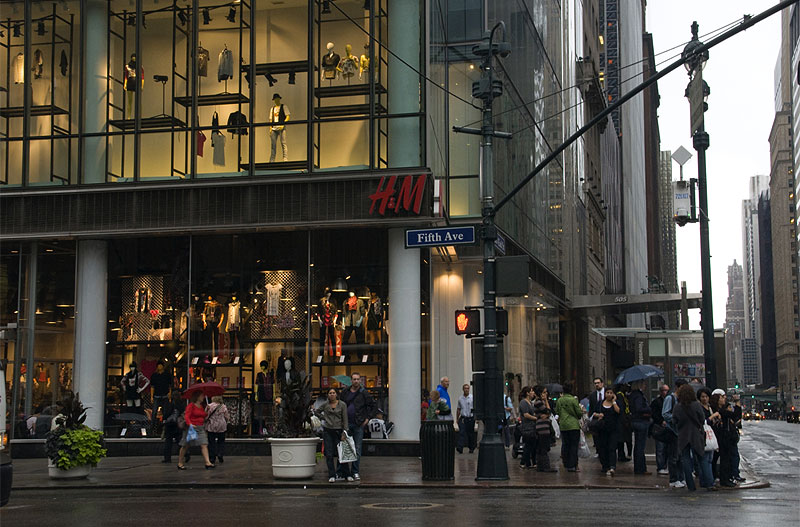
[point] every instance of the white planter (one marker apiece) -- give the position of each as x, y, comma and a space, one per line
73, 473
294, 458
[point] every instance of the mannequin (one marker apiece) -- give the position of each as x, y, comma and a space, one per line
265, 380
330, 64
327, 316
233, 323
363, 63
349, 64
374, 320
133, 384
279, 113
353, 311
130, 83
142, 300
212, 322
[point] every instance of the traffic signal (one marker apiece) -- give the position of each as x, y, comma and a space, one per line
736, 385
468, 322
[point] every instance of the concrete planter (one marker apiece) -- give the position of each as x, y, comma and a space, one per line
73, 473
294, 458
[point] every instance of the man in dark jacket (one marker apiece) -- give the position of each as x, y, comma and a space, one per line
656, 406
171, 411
360, 409
640, 422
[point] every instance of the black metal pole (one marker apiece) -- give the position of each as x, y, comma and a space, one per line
701, 142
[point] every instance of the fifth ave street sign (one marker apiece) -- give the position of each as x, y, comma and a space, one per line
440, 236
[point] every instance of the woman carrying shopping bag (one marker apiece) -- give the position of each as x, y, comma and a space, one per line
195, 433
334, 416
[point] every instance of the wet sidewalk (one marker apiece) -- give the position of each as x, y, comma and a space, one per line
376, 472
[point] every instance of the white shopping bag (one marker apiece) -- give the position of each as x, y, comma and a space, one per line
347, 450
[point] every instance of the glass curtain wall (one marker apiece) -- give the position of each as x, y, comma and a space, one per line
148, 90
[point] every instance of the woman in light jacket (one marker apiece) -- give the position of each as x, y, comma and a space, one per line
216, 426
334, 416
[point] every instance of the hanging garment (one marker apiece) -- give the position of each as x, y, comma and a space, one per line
19, 69
237, 123
348, 67
215, 120
273, 299
218, 144
63, 64
38, 64
142, 300
202, 61
234, 316
201, 140
225, 70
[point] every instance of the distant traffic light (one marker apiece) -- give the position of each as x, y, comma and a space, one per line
468, 322
736, 385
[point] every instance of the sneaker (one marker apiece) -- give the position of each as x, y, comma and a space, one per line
357, 476
740, 479
350, 479
331, 480
339, 478
677, 484
610, 472
663, 472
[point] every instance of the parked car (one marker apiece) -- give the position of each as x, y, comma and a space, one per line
6, 467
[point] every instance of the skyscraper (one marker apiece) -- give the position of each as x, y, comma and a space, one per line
734, 325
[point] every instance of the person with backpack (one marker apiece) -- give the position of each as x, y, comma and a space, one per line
676, 477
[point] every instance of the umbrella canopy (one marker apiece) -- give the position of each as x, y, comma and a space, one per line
344, 379
555, 388
139, 418
638, 373
209, 389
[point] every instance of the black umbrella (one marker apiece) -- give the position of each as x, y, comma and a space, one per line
554, 388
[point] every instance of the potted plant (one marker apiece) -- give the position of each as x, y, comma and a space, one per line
72, 447
294, 446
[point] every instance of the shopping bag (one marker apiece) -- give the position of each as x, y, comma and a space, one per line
555, 428
191, 435
347, 450
711, 438
583, 448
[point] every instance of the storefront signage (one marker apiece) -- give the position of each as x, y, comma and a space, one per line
440, 236
388, 197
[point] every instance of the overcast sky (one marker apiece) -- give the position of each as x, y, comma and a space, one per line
740, 73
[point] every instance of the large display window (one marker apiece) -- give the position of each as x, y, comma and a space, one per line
203, 88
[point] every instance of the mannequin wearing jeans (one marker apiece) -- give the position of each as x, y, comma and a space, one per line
279, 113
326, 315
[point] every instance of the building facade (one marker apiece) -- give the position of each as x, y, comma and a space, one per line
734, 325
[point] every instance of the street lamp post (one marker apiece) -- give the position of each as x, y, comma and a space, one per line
697, 92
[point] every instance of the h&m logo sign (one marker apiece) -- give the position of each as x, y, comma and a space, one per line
398, 194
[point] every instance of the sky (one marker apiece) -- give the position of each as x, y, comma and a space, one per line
740, 73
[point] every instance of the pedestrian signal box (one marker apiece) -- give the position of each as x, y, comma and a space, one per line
468, 322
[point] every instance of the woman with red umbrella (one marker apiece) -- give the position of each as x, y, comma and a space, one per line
195, 417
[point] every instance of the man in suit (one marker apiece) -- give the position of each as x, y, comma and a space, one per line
597, 396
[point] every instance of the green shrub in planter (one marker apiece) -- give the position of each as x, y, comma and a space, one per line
72, 444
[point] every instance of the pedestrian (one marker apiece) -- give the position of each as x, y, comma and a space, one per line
688, 418
625, 431
596, 398
466, 422
216, 426
438, 409
606, 432
160, 383
360, 409
508, 408
528, 426
727, 434
444, 384
426, 402
195, 416
656, 406
569, 420
334, 415
737, 423
640, 423
673, 454
711, 417
171, 412
542, 412
584, 402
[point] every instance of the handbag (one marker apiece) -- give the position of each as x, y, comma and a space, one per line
347, 450
711, 439
663, 433
191, 435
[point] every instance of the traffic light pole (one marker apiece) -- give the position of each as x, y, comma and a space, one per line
701, 142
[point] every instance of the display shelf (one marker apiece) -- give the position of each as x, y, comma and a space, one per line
278, 68
19, 111
213, 100
347, 110
346, 91
162, 121
277, 165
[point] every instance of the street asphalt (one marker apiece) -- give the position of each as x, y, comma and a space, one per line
772, 449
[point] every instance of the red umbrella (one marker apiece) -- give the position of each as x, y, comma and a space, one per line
209, 389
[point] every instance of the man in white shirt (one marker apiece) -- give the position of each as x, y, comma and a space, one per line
279, 114
466, 422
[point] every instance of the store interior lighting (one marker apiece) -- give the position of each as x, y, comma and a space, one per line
326, 7
232, 15
40, 29
339, 285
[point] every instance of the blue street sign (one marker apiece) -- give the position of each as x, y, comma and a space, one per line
435, 237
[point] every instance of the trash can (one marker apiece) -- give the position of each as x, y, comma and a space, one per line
437, 441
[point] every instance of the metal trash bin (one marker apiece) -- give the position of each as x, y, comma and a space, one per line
437, 441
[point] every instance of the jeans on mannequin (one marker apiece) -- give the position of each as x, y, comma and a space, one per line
274, 137
330, 332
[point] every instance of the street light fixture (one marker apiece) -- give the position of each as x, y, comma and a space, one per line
696, 56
